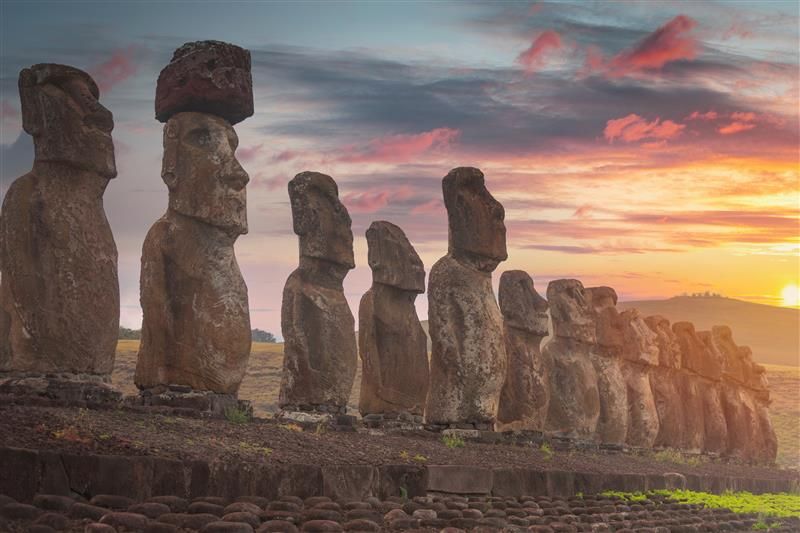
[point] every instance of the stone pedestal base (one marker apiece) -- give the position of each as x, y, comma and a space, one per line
182, 400
479, 426
316, 421
65, 389
389, 421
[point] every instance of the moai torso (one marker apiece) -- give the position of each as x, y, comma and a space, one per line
392, 343
606, 355
574, 397
59, 293
468, 356
320, 352
525, 396
665, 382
639, 354
692, 388
716, 427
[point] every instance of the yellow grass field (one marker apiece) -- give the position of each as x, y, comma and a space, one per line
263, 378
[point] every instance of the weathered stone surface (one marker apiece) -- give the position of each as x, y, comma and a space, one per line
196, 321
468, 358
525, 395
665, 382
767, 446
209, 77
605, 355
392, 343
716, 440
320, 353
59, 294
639, 354
574, 398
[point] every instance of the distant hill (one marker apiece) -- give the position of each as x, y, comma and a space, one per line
773, 333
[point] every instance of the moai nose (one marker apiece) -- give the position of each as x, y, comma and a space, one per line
236, 177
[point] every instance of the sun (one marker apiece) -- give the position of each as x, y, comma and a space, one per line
791, 296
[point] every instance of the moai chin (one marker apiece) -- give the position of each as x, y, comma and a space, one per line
392, 343
639, 355
606, 357
59, 294
574, 397
196, 321
665, 381
468, 357
525, 395
320, 353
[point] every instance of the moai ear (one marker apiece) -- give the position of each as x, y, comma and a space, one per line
30, 98
169, 161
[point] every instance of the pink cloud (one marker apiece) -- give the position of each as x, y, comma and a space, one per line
533, 58
372, 201
635, 128
400, 148
736, 127
432, 206
584, 211
286, 155
8, 111
248, 153
118, 68
744, 117
708, 115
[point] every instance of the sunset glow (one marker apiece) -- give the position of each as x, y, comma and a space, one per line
652, 147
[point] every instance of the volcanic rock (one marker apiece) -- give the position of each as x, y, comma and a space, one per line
716, 440
639, 354
665, 382
392, 343
320, 352
525, 395
468, 358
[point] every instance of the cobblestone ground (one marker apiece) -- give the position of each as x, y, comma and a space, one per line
448, 514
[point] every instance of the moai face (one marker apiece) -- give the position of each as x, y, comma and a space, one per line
609, 326
570, 310
392, 259
669, 351
477, 233
60, 109
521, 305
641, 344
205, 180
320, 219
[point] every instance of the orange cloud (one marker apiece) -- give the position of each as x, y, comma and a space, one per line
635, 128
533, 58
708, 115
735, 127
401, 148
118, 68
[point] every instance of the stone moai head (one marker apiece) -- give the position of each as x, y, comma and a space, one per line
609, 327
759, 381
733, 366
320, 219
715, 359
204, 178
60, 109
393, 259
477, 233
571, 310
695, 356
641, 344
669, 351
521, 305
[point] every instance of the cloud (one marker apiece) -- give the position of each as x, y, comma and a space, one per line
8, 111
249, 153
432, 206
400, 148
635, 128
533, 58
708, 115
118, 68
584, 211
286, 155
735, 127
371, 201
670, 42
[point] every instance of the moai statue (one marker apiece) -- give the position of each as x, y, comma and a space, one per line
574, 397
692, 351
196, 323
320, 352
665, 381
766, 448
639, 357
468, 359
59, 294
739, 410
606, 356
525, 395
392, 343
716, 440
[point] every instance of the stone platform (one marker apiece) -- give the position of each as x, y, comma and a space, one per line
78, 390
184, 400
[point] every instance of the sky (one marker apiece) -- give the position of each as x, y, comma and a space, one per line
648, 146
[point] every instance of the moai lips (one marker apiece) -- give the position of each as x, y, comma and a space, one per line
612, 426
468, 358
639, 354
665, 382
574, 398
207, 77
392, 343
320, 352
525, 396
59, 294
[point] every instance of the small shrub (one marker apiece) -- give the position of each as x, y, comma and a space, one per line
291, 427
546, 450
404, 455
453, 441
404, 493
71, 434
234, 415
420, 458
255, 448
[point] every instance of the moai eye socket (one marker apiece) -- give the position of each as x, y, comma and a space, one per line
200, 137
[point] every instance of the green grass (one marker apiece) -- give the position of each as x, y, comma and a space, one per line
453, 441
235, 415
781, 505
546, 450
